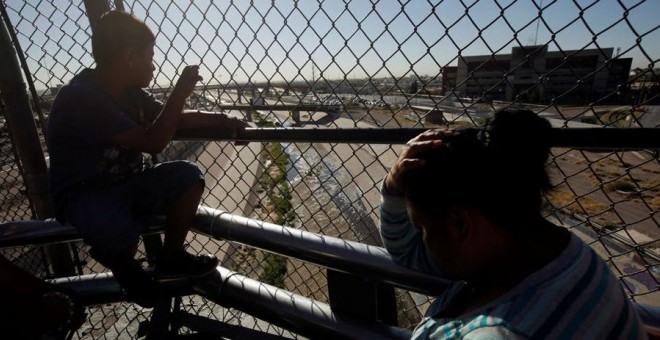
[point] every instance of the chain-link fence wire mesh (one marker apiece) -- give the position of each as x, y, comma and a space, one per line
379, 64
14, 202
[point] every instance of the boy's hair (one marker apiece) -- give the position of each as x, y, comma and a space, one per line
116, 31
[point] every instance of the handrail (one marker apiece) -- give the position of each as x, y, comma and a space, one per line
49, 231
330, 252
291, 311
229, 289
342, 255
334, 253
352, 257
583, 138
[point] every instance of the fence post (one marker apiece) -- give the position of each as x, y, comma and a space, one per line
26, 141
360, 297
94, 10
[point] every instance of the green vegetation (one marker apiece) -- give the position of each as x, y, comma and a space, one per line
582, 205
617, 118
278, 208
413, 87
282, 205
259, 120
483, 121
623, 184
274, 270
275, 207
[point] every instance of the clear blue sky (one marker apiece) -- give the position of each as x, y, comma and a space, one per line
241, 41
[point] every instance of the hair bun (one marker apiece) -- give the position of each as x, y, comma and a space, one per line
520, 134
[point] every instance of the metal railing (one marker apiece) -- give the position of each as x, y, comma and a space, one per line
229, 289
385, 71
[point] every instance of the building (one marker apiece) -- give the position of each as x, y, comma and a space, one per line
533, 74
449, 74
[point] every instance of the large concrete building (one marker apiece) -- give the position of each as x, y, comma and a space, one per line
534, 74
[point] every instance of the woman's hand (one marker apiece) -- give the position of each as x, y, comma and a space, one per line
407, 160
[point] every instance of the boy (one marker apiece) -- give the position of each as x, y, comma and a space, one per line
99, 126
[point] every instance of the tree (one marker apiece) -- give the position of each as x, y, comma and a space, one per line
413, 87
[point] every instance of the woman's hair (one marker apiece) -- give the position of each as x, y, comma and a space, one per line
116, 31
499, 170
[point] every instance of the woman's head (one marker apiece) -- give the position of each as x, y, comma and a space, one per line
498, 170
478, 189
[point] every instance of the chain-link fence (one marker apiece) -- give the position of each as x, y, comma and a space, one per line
374, 64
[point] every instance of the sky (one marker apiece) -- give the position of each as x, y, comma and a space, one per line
287, 40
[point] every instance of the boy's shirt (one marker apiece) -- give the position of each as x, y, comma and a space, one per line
81, 121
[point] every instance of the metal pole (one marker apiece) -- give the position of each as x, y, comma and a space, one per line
95, 8
330, 252
21, 57
579, 138
288, 310
24, 135
119, 5
23, 129
229, 289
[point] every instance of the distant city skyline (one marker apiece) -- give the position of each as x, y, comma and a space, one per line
240, 41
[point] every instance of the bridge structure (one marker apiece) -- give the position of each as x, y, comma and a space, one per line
251, 97
248, 87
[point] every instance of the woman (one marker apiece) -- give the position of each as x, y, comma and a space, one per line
466, 205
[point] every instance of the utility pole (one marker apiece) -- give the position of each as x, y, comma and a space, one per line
538, 20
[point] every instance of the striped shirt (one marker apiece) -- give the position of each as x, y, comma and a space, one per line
575, 296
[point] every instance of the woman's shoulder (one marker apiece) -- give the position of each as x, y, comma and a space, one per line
577, 291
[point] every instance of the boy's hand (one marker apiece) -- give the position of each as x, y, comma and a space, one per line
237, 125
187, 81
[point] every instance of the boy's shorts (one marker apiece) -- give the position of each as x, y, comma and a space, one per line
112, 218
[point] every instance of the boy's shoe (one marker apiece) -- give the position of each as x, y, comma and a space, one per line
184, 265
137, 284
